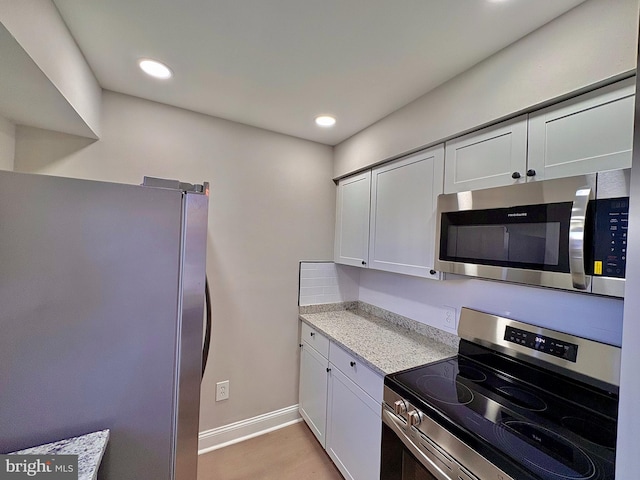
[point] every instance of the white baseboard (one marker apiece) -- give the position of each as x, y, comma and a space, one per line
215, 438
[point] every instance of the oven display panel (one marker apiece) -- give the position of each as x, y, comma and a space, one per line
549, 345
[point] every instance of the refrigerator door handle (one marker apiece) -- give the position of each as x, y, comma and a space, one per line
207, 336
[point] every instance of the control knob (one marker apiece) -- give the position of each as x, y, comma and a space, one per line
415, 417
399, 407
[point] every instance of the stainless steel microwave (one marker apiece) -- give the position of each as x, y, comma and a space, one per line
568, 233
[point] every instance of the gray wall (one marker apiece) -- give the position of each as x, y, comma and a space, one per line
589, 44
7, 143
272, 204
590, 316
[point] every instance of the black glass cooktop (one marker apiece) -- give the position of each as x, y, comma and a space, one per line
517, 415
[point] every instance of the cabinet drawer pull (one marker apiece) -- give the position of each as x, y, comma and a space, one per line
353, 364
531, 172
300, 345
328, 369
515, 175
313, 334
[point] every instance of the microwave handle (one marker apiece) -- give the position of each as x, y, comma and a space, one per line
576, 238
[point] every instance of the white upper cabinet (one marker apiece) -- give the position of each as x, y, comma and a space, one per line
589, 133
403, 212
586, 134
491, 157
385, 217
352, 220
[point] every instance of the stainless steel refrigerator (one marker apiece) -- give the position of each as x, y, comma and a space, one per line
102, 292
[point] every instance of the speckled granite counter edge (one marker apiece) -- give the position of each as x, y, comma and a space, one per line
377, 313
327, 307
89, 448
435, 344
441, 336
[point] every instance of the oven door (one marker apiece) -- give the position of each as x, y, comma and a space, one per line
404, 458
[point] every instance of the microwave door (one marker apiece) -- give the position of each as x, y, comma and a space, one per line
544, 244
480, 242
567, 233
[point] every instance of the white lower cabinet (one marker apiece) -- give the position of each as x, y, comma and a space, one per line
313, 391
354, 429
340, 400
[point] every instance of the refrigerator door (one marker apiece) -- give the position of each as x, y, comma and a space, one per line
95, 295
191, 310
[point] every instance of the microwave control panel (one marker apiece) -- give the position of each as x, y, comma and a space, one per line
610, 239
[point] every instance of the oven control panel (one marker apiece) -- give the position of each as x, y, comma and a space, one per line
542, 343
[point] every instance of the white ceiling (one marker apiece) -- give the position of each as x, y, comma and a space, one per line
276, 64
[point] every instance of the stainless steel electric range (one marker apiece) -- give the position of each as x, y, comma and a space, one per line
518, 402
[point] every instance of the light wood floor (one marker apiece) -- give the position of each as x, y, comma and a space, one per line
291, 453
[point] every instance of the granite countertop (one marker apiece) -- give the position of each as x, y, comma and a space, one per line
386, 342
89, 448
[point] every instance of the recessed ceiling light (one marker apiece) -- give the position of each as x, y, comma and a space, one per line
154, 68
325, 120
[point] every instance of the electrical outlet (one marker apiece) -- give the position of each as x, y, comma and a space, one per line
449, 317
222, 390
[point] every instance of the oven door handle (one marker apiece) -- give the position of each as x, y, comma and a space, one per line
395, 424
576, 238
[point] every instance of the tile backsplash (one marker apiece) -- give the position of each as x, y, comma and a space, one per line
326, 282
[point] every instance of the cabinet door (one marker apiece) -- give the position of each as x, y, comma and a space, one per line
487, 158
313, 391
404, 198
354, 429
352, 220
586, 134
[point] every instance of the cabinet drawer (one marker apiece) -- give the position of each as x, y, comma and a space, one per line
314, 338
355, 369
